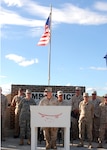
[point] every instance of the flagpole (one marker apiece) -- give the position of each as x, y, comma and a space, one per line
49, 55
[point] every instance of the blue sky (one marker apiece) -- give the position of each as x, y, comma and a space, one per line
79, 43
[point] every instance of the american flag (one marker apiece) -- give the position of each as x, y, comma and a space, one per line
44, 40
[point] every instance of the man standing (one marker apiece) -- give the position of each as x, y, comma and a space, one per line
103, 121
50, 134
15, 103
4, 105
85, 120
24, 117
96, 119
76, 99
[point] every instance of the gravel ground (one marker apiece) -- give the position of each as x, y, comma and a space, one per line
13, 144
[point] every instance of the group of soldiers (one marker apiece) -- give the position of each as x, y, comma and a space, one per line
88, 116
89, 119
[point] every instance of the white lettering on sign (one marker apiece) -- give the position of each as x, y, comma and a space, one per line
37, 96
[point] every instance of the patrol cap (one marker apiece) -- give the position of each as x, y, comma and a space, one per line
48, 89
94, 92
85, 95
105, 96
28, 91
77, 88
59, 93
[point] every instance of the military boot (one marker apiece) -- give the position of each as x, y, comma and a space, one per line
54, 147
89, 145
100, 145
28, 142
21, 142
81, 144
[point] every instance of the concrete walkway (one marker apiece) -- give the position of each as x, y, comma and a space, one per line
13, 144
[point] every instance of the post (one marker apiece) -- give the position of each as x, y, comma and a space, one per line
49, 57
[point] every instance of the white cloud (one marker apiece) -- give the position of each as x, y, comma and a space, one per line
15, 58
2, 76
98, 68
13, 2
28, 62
68, 13
41, 10
35, 32
102, 6
68, 84
21, 60
90, 89
8, 17
94, 68
100, 90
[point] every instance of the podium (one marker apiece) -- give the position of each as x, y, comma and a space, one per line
50, 116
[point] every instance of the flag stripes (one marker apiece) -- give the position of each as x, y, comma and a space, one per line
45, 38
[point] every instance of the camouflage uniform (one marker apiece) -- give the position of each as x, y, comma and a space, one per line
50, 134
4, 105
15, 103
96, 119
103, 122
24, 117
75, 115
85, 120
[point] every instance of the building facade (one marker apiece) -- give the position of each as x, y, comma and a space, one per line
38, 94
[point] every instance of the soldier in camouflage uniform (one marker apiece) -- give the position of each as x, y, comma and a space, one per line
96, 119
103, 121
15, 103
4, 105
76, 99
85, 120
24, 118
50, 134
